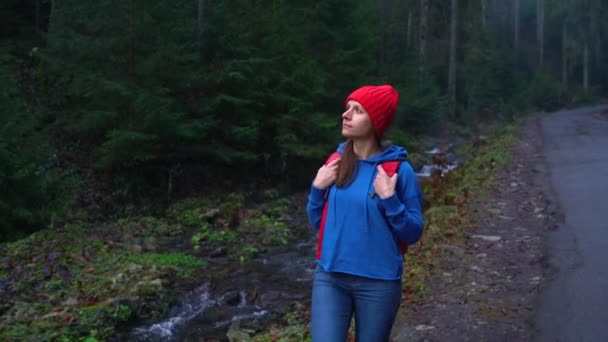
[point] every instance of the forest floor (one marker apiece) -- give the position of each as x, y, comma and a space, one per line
488, 286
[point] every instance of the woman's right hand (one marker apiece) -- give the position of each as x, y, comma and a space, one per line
326, 176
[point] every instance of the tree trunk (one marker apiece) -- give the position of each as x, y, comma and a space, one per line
384, 44
131, 61
408, 42
52, 24
37, 15
564, 58
452, 67
586, 68
424, 17
596, 37
484, 15
515, 29
540, 30
202, 8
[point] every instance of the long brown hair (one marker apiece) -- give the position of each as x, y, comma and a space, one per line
348, 162
348, 165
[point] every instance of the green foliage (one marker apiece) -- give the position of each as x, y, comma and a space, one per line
221, 235
35, 190
581, 97
74, 282
274, 230
154, 227
543, 92
159, 96
140, 92
489, 79
295, 328
271, 194
422, 103
184, 263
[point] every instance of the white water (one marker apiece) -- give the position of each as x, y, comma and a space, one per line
428, 170
194, 305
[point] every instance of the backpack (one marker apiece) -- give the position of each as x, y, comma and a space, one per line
390, 167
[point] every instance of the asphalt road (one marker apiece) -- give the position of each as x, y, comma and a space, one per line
574, 305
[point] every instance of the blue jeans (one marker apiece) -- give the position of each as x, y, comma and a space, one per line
337, 296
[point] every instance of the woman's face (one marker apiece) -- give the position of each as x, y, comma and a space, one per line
356, 123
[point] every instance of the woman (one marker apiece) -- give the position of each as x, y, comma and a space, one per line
359, 263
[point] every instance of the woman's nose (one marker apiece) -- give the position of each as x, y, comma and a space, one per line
346, 114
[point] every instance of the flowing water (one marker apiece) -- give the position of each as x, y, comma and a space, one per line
443, 161
249, 297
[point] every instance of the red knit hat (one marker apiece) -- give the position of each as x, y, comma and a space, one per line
380, 102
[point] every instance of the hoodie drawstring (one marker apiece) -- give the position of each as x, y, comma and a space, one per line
371, 194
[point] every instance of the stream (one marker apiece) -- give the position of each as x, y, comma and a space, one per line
252, 296
442, 161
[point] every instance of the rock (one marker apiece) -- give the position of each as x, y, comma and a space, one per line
495, 211
454, 249
136, 249
4, 307
209, 214
270, 297
232, 298
490, 238
148, 286
219, 252
423, 327
134, 268
70, 302
156, 282
115, 280
538, 169
235, 334
150, 247
50, 315
6, 262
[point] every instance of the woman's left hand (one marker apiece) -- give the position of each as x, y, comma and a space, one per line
383, 184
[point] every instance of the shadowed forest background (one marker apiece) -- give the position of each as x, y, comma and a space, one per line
136, 102
149, 146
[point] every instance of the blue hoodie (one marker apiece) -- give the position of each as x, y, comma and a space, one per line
362, 230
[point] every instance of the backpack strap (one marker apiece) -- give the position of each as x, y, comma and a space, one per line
391, 167
331, 158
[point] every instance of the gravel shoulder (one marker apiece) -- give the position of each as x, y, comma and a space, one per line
489, 286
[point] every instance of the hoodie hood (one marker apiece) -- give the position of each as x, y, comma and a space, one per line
390, 153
